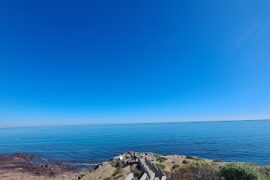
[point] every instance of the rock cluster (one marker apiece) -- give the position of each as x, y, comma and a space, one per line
27, 163
140, 166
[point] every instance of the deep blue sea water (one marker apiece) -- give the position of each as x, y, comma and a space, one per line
247, 141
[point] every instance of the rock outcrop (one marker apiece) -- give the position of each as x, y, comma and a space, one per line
29, 164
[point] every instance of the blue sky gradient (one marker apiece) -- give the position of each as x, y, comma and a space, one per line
79, 62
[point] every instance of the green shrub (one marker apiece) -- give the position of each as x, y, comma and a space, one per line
237, 171
196, 170
175, 166
185, 162
161, 159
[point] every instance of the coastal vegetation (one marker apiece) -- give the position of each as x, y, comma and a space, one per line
203, 170
161, 159
238, 171
198, 169
178, 167
134, 165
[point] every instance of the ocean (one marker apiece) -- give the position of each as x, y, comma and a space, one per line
242, 141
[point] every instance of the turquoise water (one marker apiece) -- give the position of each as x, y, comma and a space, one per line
230, 141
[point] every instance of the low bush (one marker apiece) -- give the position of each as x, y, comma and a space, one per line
161, 159
237, 171
175, 166
196, 170
185, 162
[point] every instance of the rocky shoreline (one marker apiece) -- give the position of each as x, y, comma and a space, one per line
127, 166
27, 163
28, 166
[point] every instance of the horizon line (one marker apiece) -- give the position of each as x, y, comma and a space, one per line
105, 124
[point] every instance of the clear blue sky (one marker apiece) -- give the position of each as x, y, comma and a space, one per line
72, 62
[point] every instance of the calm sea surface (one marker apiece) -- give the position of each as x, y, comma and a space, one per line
230, 141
